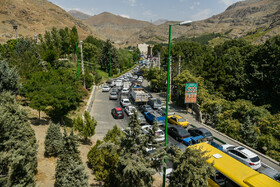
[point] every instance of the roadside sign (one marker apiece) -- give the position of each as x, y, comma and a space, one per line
191, 93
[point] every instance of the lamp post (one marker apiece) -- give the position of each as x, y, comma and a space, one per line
82, 60
15, 28
187, 23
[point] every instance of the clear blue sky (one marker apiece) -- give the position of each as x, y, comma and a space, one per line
147, 10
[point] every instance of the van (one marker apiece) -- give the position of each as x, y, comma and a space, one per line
154, 103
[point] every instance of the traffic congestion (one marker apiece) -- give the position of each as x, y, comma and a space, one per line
130, 96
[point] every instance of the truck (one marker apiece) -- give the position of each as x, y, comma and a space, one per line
153, 117
198, 139
139, 95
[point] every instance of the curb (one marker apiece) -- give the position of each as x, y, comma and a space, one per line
91, 99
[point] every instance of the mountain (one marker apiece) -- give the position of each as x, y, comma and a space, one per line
36, 16
258, 18
79, 15
160, 21
116, 28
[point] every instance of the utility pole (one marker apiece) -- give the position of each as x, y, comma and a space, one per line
82, 60
77, 60
179, 68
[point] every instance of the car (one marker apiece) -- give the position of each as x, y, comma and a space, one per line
141, 118
106, 88
115, 89
145, 108
178, 120
113, 96
173, 147
243, 155
117, 113
201, 131
125, 91
162, 111
154, 117
177, 132
125, 102
129, 110
271, 173
154, 102
159, 133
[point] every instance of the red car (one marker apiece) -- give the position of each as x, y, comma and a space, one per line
117, 113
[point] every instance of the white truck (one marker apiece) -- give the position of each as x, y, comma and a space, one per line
139, 95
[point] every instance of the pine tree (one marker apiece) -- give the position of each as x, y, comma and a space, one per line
53, 140
18, 148
248, 132
8, 78
191, 169
87, 127
69, 168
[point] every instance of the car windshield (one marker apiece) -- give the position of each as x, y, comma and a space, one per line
119, 112
255, 159
181, 120
125, 101
113, 93
158, 101
240, 148
208, 134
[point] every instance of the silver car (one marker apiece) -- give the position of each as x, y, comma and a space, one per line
243, 155
113, 96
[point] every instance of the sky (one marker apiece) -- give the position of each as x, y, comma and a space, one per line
150, 10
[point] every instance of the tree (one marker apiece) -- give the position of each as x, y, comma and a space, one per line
109, 54
69, 168
248, 133
103, 159
9, 78
87, 127
39, 101
53, 140
191, 169
18, 148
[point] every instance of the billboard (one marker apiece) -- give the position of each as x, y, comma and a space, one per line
191, 93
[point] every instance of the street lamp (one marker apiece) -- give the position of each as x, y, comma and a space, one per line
186, 23
82, 60
15, 28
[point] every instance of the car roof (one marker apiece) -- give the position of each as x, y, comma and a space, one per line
249, 153
118, 109
203, 129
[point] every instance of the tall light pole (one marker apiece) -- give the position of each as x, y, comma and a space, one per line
15, 28
82, 60
187, 23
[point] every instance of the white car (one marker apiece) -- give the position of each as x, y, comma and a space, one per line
125, 91
243, 155
129, 110
106, 89
159, 133
125, 102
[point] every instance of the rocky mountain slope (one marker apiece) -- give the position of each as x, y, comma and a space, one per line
238, 20
79, 15
116, 28
35, 16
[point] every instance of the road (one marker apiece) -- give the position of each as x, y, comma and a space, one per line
101, 111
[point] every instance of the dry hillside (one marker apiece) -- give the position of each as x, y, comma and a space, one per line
116, 28
237, 20
79, 15
35, 16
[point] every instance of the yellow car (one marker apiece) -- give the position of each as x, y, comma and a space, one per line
178, 120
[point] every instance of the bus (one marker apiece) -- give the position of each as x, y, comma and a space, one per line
232, 173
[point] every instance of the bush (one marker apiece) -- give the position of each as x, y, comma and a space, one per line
53, 140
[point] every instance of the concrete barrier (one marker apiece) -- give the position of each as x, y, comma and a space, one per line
91, 98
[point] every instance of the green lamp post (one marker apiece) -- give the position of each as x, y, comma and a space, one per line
186, 23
